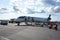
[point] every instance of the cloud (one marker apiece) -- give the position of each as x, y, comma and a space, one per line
14, 0
22, 5
49, 2
3, 10
57, 0
32, 4
15, 8
57, 9
49, 9
19, 10
43, 11
31, 11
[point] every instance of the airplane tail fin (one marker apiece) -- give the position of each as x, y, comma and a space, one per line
49, 18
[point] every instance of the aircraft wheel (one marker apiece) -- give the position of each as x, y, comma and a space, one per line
18, 24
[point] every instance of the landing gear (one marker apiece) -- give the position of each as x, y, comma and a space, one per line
18, 24
26, 23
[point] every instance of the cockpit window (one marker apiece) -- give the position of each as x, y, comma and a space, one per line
22, 17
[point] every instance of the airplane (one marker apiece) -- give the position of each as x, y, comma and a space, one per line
30, 19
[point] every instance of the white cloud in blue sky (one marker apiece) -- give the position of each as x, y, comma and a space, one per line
17, 8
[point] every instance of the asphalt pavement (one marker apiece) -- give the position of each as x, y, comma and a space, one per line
14, 32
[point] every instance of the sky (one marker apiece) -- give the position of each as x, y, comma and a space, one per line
35, 8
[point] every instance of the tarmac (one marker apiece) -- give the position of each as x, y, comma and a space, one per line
24, 32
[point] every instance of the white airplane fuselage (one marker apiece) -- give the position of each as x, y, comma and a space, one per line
28, 18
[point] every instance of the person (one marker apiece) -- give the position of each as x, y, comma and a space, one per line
55, 27
50, 25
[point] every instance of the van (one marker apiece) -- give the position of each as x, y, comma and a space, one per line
4, 22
